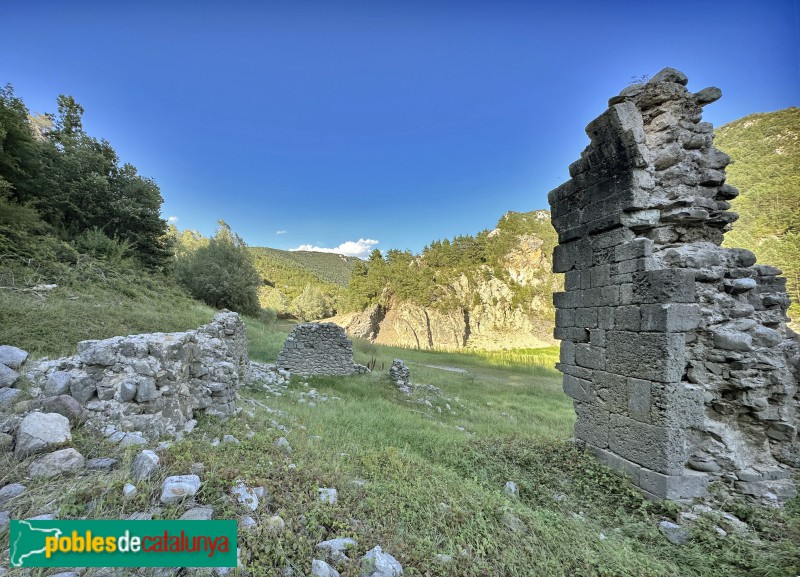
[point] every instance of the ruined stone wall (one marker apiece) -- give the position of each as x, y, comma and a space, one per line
318, 349
675, 350
152, 383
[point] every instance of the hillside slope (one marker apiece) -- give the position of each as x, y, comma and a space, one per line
488, 292
286, 274
765, 149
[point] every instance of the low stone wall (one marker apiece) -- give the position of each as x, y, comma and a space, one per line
318, 349
675, 350
152, 383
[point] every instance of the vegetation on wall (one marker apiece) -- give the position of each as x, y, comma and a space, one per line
765, 149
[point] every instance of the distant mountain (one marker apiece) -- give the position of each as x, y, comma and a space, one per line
765, 149
286, 274
489, 291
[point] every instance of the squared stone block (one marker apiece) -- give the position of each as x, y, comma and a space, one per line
640, 400
611, 390
664, 286
590, 357
662, 449
578, 389
651, 356
670, 317
586, 318
633, 249
567, 352
565, 317
627, 318
678, 487
592, 424
597, 337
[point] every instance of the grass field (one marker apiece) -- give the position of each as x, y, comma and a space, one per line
422, 475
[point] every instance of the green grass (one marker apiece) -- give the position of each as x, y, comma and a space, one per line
96, 302
431, 469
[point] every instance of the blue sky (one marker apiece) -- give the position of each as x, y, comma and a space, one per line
396, 122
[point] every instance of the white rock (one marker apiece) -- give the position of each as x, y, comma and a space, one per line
129, 490
198, 514
376, 563
245, 495
7, 376
511, 489
12, 357
284, 445
321, 569
179, 487
335, 548
57, 463
39, 432
11, 491
144, 465
327, 495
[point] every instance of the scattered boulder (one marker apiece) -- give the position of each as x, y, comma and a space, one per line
511, 489
8, 397
57, 463
275, 524
335, 549
321, 569
39, 432
247, 523
327, 495
66, 406
7, 376
57, 383
12, 357
101, 463
376, 563
6, 442
198, 514
179, 487
283, 445
144, 465
129, 490
10, 492
674, 533
245, 495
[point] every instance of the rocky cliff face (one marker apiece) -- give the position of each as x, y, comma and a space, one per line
503, 303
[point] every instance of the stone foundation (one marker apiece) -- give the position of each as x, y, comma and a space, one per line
318, 349
676, 351
153, 383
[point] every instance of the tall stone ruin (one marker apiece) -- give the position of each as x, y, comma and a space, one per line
676, 351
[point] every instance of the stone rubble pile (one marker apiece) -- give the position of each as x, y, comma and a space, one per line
318, 349
400, 375
675, 350
148, 385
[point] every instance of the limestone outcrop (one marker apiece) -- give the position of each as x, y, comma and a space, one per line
676, 351
318, 349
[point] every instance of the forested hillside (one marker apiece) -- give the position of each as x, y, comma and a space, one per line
307, 285
490, 291
765, 149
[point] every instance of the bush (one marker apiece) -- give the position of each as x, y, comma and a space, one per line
311, 304
221, 273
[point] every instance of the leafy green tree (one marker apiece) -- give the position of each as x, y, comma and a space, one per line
221, 273
311, 304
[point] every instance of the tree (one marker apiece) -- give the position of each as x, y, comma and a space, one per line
311, 304
221, 273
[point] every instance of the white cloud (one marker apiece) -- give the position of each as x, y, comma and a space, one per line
281, 232
360, 248
172, 219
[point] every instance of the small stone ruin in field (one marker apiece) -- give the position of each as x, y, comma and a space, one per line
318, 349
675, 350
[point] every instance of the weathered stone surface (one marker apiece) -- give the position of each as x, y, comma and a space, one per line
12, 357
159, 381
8, 376
57, 463
376, 563
336, 549
245, 495
321, 569
179, 487
10, 492
198, 514
40, 432
675, 350
318, 349
144, 465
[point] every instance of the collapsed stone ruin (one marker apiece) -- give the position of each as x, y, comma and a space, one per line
318, 349
400, 375
676, 351
151, 384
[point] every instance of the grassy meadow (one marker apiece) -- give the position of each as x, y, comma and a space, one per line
422, 475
